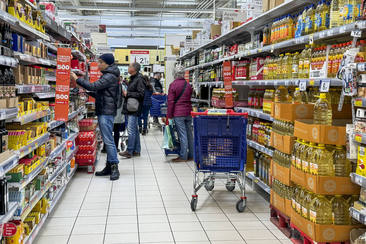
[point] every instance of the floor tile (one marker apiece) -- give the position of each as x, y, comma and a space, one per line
224, 225
154, 227
159, 237
190, 236
86, 229
121, 238
52, 239
86, 239
229, 235
257, 235
121, 228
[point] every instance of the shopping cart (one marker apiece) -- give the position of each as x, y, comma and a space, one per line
159, 106
220, 151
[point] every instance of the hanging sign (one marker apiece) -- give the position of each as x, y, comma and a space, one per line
228, 84
62, 84
94, 75
140, 56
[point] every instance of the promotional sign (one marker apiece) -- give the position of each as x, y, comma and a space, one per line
140, 56
186, 75
228, 84
94, 75
9, 229
62, 84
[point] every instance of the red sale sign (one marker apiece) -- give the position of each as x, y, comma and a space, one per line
94, 75
228, 84
9, 229
62, 84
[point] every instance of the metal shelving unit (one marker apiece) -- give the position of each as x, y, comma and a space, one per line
31, 117
34, 60
45, 95
258, 113
33, 145
24, 89
195, 100
12, 208
260, 147
8, 61
259, 182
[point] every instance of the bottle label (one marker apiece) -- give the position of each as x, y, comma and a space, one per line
293, 203
312, 215
298, 163
298, 207
304, 212
315, 169
295, 68
305, 166
293, 160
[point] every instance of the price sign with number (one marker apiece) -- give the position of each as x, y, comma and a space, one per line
356, 33
324, 85
140, 56
62, 84
302, 85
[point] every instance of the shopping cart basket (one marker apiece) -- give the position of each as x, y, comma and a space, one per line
158, 105
220, 151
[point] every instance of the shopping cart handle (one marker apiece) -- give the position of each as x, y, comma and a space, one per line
219, 112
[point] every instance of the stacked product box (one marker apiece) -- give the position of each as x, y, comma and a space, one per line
87, 144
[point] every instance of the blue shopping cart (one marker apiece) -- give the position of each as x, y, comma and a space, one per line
220, 151
158, 105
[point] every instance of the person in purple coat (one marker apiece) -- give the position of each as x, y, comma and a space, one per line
179, 109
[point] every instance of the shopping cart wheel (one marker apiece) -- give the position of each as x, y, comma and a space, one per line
241, 205
210, 185
194, 204
230, 185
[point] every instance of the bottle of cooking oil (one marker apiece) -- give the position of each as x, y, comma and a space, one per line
298, 199
322, 111
281, 65
297, 98
294, 152
308, 153
307, 58
285, 65
281, 94
305, 205
334, 14
295, 66
324, 14
300, 154
294, 196
340, 211
342, 166
357, 6
320, 210
322, 161
318, 16
310, 17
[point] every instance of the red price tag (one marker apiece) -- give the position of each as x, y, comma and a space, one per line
9, 229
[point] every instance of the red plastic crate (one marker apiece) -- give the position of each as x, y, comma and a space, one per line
85, 138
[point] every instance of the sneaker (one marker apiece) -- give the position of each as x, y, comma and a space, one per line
178, 160
136, 154
125, 154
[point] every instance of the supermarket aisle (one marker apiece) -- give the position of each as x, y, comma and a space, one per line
151, 204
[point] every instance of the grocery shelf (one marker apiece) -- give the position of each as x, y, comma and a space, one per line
31, 117
73, 115
34, 60
258, 113
32, 236
57, 31
11, 210
360, 102
72, 172
8, 61
44, 95
359, 137
57, 198
260, 147
211, 84
8, 164
358, 179
357, 215
21, 27
78, 54
288, 82
8, 113
195, 100
33, 145
54, 123
51, 47
28, 178
23, 89
58, 150
30, 4
252, 25
50, 78
259, 182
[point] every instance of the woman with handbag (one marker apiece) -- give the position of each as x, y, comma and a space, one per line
133, 107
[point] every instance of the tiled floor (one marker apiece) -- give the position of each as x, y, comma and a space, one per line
151, 204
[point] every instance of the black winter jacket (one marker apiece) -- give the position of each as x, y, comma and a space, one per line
158, 87
136, 89
105, 90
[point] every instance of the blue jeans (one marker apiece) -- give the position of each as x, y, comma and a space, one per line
106, 129
144, 116
184, 128
133, 144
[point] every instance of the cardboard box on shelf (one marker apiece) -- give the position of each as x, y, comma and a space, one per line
12, 102
292, 112
327, 134
3, 103
282, 204
282, 143
280, 173
322, 233
345, 113
265, 5
326, 185
215, 31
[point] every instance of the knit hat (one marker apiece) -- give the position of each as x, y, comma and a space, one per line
108, 58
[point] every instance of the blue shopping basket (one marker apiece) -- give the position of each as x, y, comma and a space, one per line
220, 141
158, 105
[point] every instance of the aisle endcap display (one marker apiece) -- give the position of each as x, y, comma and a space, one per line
324, 185
325, 134
283, 143
282, 204
280, 173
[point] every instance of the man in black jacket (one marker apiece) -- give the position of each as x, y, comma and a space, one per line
105, 90
136, 89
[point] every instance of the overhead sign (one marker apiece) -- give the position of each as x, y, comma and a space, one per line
140, 56
62, 84
228, 84
235, 16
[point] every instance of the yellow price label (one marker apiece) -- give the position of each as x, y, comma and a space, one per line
260, 50
358, 138
358, 103
311, 82
256, 180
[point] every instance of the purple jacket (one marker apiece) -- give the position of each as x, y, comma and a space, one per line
183, 107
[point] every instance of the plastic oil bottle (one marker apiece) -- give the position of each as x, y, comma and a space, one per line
324, 13
341, 6
334, 14
299, 198
300, 154
295, 66
294, 152
342, 166
340, 212
322, 111
357, 6
294, 197
297, 98
305, 205
281, 94
308, 153
307, 58
287, 66
322, 161
310, 18
320, 210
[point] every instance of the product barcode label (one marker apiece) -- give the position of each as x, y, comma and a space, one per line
311, 39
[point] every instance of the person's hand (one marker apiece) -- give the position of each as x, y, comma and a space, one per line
74, 76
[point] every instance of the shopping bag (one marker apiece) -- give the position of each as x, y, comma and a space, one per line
168, 141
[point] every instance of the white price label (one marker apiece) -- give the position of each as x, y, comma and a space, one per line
330, 32
302, 85
356, 33
324, 85
342, 29
356, 215
322, 34
311, 39
272, 48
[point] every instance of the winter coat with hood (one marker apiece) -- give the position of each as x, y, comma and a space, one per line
136, 89
105, 90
